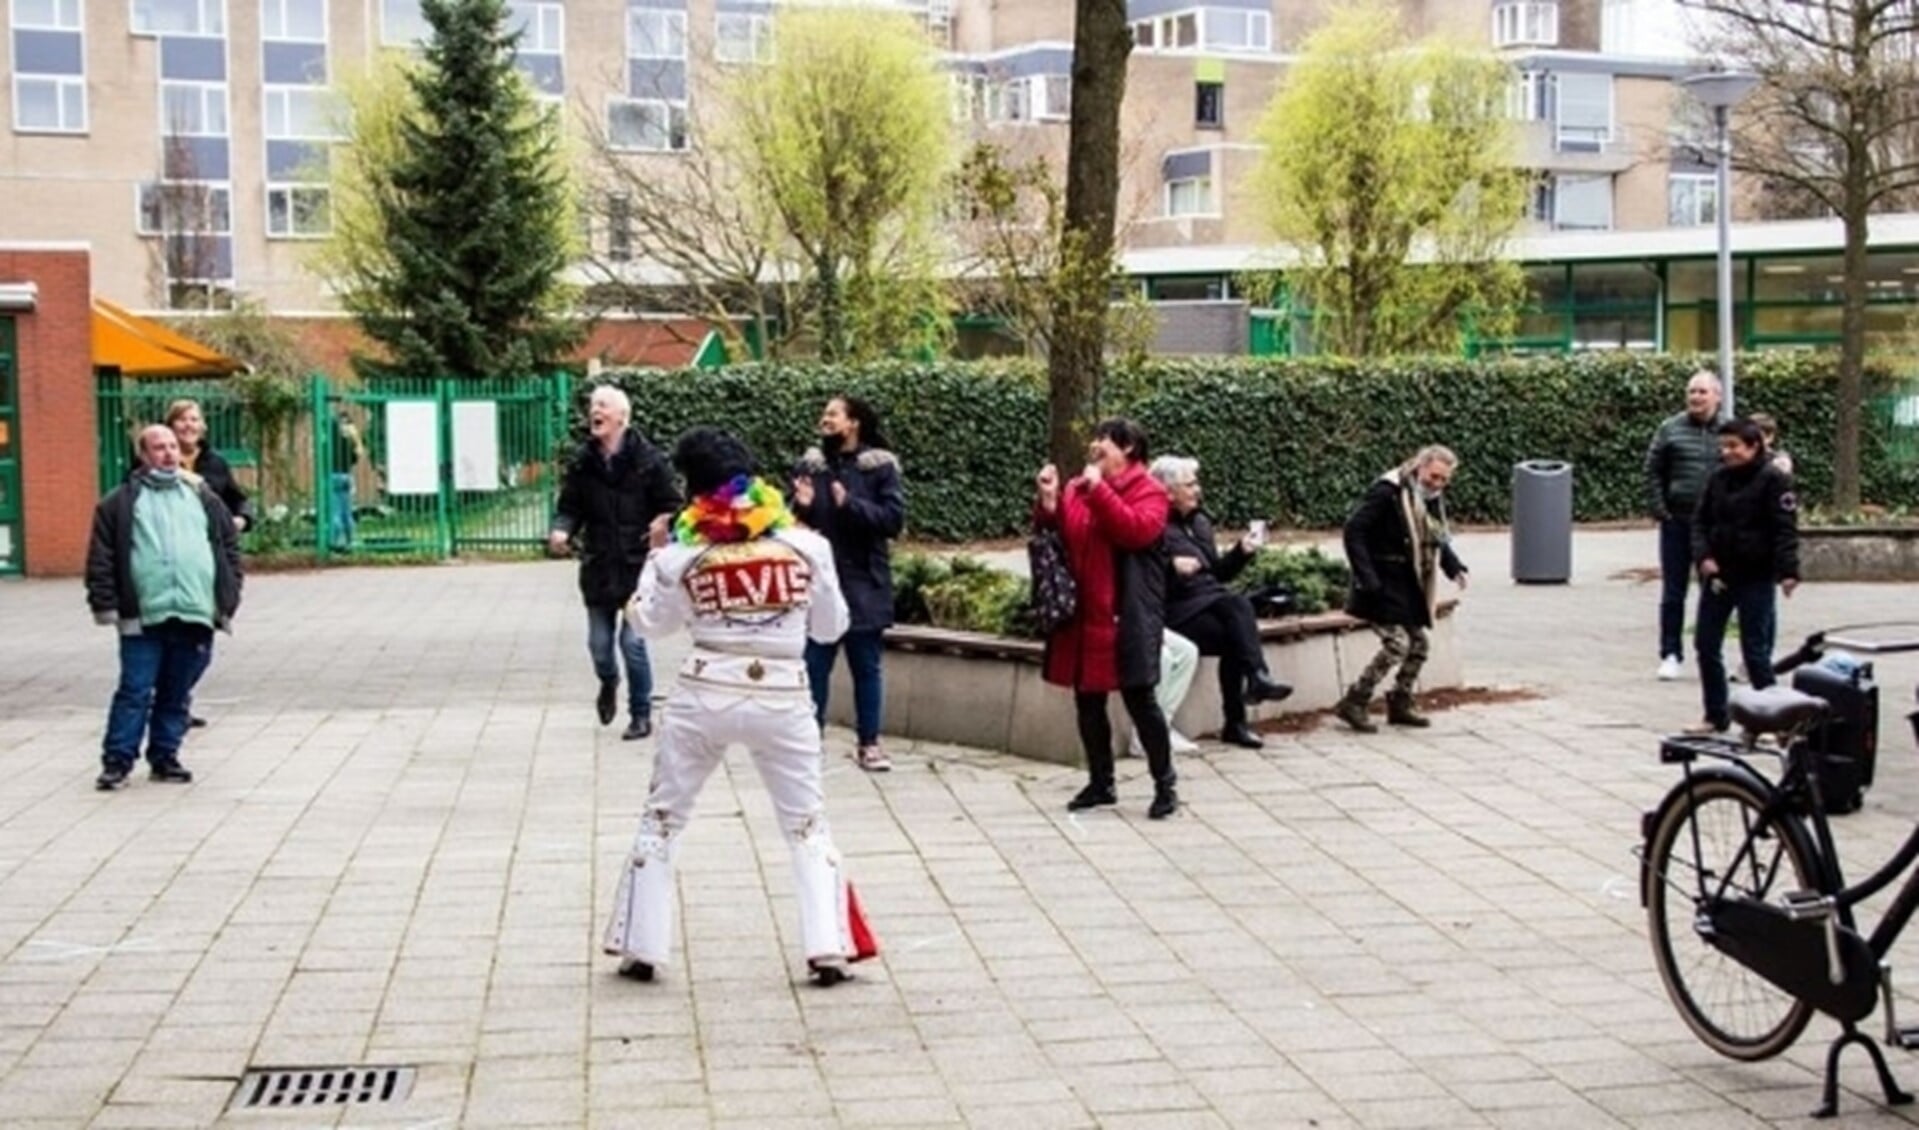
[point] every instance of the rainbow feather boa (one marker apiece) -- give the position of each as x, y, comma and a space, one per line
743, 509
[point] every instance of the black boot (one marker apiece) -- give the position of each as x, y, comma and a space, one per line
1262, 688
1093, 796
608, 702
1400, 712
1352, 711
1235, 731
1165, 802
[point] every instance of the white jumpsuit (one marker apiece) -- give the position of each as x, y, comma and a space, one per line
751, 606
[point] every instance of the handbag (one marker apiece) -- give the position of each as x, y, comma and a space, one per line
1055, 593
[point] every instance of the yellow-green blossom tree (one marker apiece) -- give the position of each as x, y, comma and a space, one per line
1388, 178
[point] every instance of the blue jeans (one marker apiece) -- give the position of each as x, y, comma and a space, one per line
1754, 602
158, 669
340, 520
639, 672
869, 694
1675, 570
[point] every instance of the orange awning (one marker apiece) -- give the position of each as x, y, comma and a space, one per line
139, 347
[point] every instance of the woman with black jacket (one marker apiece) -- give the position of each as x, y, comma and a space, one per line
189, 425
1745, 540
848, 489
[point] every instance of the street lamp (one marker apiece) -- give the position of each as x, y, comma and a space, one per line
1720, 91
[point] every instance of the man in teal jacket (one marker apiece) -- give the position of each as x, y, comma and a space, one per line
1683, 455
163, 566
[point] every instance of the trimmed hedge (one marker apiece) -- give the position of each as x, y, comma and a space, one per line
1295, 441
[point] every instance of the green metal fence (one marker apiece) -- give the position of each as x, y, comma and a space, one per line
423, 467
439, 466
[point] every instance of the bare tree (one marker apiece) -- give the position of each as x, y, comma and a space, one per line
1008, 227
692, 239
1833, 124
184, 216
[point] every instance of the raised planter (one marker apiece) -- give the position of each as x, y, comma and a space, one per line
1859, 553
985, 691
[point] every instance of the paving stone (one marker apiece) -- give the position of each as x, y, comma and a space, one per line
405, 826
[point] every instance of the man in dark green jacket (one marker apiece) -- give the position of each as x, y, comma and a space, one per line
163, 566
1683, 455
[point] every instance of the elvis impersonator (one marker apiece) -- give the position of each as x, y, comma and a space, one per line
752, 588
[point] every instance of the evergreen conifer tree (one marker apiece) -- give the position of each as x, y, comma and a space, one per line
475, 209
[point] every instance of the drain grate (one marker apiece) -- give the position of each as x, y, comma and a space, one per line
286, 1087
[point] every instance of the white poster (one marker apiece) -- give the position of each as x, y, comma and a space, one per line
412, 447
476, 445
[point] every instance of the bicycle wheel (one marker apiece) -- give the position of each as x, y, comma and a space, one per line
1733, 1010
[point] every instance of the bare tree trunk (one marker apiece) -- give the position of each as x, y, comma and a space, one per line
1076, 360
1852, 346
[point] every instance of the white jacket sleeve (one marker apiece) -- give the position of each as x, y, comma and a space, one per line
660, 606
826, 618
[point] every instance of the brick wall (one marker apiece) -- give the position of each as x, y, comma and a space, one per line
57, 443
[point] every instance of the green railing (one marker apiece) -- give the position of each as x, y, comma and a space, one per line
428, 467
441, 466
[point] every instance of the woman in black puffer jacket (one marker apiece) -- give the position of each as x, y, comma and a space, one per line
1745, 540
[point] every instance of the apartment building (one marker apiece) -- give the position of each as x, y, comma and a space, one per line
187, 140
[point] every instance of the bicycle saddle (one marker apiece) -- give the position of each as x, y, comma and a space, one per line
1775, 709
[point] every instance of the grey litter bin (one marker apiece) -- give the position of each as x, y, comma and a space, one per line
1542, 522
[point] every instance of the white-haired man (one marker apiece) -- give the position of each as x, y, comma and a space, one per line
616, 487
1397, 543
1683, 455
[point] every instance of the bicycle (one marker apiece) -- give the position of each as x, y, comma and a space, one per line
1751, 919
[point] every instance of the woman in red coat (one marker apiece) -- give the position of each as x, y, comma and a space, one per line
1111, 518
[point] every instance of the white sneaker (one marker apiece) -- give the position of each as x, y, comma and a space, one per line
1669, 669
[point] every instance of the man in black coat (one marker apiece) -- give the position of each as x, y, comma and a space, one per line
1200, 607
1396, 543
617, 488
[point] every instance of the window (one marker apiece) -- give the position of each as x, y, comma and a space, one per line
301, 21
46, 15
1190, 197
1526, 23
1539, 201
193, 109
1010, 101
44, 104
649, 125
1582, 203
1209, 105
1584, 112
1691, 199
1533, 97
301, 113
402, 24
742, 37
619, 228
299, 211
1236, 31
1168, 33
1056, 97
652, 33
969, 97
184, 206
542, 27
179, 17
